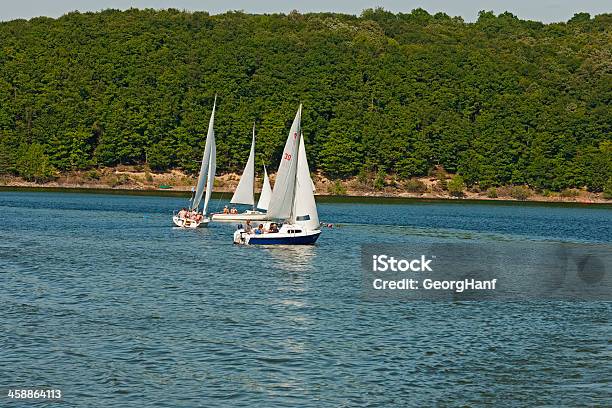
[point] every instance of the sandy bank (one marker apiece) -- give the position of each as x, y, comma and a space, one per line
131, 178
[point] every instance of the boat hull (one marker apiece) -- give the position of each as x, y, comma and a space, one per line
187, 223
303, 238
249, 215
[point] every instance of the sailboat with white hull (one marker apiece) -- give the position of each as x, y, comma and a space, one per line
292, 201
195, 217
245, 193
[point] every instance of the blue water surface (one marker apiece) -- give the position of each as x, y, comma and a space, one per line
102, 298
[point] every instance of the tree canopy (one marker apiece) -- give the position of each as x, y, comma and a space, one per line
499, 101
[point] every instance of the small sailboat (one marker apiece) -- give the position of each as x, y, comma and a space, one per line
194, 218
292, 201
245, 193
266, 193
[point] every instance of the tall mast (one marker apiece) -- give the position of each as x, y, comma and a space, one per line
254, 178
299, 132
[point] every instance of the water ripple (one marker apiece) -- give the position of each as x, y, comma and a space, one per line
105, 300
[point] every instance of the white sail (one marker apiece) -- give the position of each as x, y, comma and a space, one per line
283, 194
266, 193
305, 212
314, 189
245, 192
212, 168
205, 166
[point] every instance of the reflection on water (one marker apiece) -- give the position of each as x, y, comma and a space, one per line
105, 300
291, 258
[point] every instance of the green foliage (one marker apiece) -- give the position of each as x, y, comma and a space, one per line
160, 156
594, 166
118, 180
502, 101
442, 184
580, 18
8, 154
33, 164
363, 177
337, 188
520, 193
456, 186
379, 181
569, 192
72, 150
492, 192
339, 158
607, 192
415, 186
92, 175
440, 174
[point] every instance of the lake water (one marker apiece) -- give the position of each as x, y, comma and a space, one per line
103, 299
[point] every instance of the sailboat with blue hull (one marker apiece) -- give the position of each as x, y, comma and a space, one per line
292, 202
288, 240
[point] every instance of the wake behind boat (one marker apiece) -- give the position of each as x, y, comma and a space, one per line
193, 217
292, 200
245, 194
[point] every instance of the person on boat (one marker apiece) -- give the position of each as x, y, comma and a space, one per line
273, 228
259, 230
248, 228
182, 213
233, 210
199, 217
226, 210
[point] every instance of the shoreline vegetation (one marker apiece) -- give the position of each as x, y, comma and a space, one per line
437, 186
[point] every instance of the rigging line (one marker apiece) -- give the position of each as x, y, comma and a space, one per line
191, 199
219, 200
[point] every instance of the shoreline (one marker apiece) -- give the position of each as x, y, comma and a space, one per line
347, 198
136, 180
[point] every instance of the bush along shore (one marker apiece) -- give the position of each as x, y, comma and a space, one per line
438, 185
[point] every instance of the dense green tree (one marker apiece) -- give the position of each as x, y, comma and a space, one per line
8, 152
456, 186
500, 101
72, 150
33, 164
161, 156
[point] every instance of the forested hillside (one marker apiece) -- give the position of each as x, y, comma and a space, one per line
500, 101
